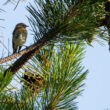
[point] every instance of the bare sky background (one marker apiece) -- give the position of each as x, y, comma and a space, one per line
96, 95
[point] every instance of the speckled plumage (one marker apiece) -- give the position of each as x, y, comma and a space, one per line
19, 37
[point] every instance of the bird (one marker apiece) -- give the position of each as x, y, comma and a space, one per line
19, 37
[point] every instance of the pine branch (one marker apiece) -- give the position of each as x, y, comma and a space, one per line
64, 77
15, 55
73, 11
24, 58
63, 28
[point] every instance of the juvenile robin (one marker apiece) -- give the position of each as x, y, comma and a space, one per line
19, 37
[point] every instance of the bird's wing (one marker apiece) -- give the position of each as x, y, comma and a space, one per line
15, 36
16, 33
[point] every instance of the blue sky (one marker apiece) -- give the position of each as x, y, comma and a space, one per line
97, 90
97, 59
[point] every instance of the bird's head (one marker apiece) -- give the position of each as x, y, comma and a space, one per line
21, 25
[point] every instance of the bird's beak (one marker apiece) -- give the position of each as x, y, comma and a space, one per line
27, 26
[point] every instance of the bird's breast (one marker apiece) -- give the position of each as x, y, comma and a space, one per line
20, 40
